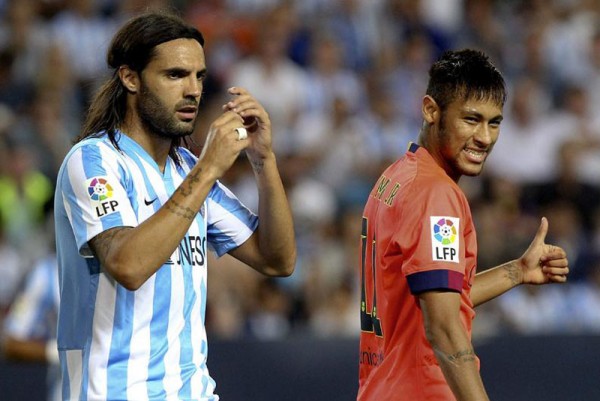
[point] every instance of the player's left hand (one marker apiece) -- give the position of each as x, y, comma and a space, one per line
544, 263
256, 122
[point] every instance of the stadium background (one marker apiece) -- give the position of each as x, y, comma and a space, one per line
342, 80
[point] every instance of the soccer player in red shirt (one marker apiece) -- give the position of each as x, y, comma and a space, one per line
418, 277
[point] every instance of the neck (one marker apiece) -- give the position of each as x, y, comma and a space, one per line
156, 146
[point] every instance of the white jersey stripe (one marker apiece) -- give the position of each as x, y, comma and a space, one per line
73, 362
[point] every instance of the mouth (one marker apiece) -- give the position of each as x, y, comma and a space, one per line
187, 113
475, 155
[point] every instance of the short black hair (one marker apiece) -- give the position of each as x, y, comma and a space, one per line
465, 74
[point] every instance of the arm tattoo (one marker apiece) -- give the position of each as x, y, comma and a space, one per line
100, 245
467, 355
192, 178
181, 211
513, 273
257, 165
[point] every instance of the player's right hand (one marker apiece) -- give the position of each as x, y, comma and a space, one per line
222, 145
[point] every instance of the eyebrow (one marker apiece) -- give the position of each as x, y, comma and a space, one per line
498, 117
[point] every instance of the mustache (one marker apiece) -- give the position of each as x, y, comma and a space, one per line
187, 103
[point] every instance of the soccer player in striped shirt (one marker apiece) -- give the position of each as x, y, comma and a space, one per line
418, 275
135, 214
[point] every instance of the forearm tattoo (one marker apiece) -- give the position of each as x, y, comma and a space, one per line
467, 355
513, 273
257, 165
181, 211
188, 186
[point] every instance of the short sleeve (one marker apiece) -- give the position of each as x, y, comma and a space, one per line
433, 242
229, 222
93, 189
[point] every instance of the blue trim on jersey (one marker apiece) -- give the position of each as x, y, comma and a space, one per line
93, 167
67, 189
120, 347
222, 242
435, 280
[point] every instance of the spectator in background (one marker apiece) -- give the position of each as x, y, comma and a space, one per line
30, 326
275, 80
24, 193
12, 271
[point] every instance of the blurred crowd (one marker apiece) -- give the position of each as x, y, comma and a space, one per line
343, 82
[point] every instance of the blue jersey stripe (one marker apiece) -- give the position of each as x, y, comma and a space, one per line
120, 345
158, 333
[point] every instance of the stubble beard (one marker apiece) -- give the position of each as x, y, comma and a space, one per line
158, 119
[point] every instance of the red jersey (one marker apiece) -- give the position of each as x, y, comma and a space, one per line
417, 235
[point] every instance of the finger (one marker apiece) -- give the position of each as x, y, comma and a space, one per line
228, 118
237, 90
242, 133
242, 104
562, 262
553, 253
556, 271
540, 236
557, 278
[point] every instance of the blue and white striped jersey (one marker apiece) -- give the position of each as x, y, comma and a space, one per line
148, 344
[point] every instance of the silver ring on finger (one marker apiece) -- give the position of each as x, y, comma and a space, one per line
242, 133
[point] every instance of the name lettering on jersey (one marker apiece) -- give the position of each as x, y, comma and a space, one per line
101, 192
371, 358
383, 183
445, 238
381, 188
390, 198
191, 251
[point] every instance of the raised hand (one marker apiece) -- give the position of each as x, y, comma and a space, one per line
223, 144
544, 263
256, 121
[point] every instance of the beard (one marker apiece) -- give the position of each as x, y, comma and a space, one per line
159, 119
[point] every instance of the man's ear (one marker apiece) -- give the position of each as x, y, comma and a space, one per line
129, 78
430, 110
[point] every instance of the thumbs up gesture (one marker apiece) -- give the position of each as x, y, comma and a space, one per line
544, 263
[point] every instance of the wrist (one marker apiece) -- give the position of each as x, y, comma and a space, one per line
260, 161
516, 271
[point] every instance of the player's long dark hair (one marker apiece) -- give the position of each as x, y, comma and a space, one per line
465, 74
133, 45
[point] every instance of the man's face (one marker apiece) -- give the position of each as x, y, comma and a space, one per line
170, 88
466, 135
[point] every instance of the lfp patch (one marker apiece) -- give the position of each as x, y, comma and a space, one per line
445, 238
101, 193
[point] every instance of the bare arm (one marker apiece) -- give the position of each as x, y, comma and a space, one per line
29, 350
132, 254
451, 344
540, 264
272, 248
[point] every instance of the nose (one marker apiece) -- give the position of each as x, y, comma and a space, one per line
193, 87
484, 135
